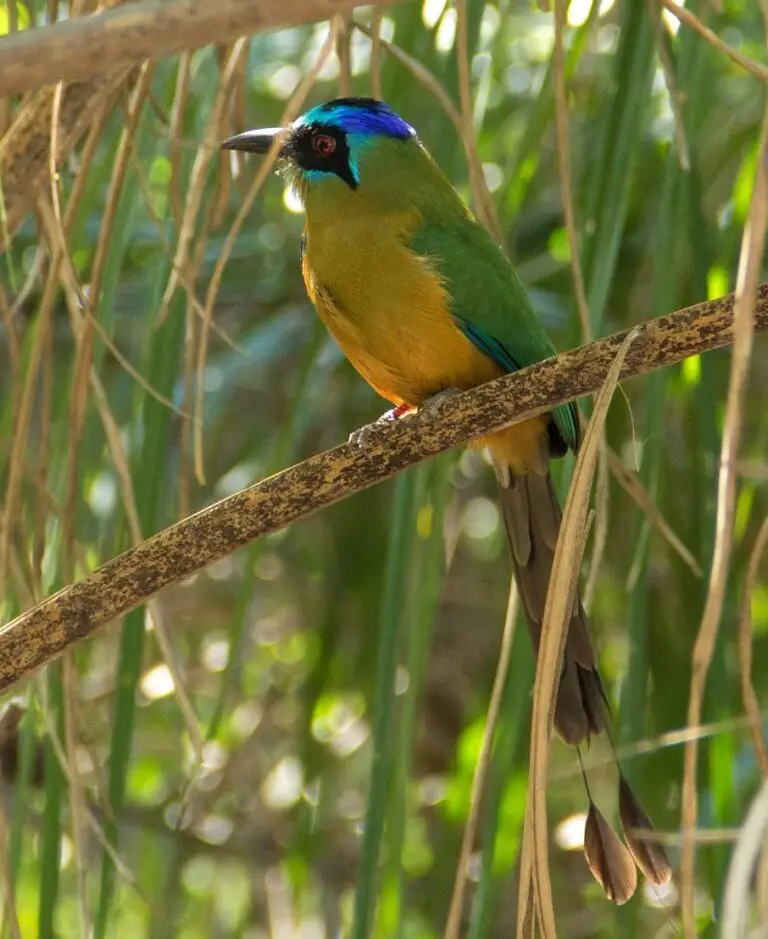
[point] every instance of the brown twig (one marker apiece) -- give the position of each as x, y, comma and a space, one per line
690, 19
42, 633
81, 48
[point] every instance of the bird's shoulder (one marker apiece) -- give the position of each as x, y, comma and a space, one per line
482, 285
487, 299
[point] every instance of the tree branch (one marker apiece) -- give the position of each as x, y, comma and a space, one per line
42, 633
86, 46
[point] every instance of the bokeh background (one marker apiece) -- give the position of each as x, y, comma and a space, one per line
155, 360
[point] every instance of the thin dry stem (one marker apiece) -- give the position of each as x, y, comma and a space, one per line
139, 96
182, 269
630, 482
750, 262
453, 924
78, 402
672, 738
461, 119
50, 729
43, 461
375, 66
423, 76
54, 150
748, 696
751, 843
562, 585
292, 109
186, 280
174, 133
20, 432
197, 178
566, 190
343, 29
486, 208
690, 19
125, 486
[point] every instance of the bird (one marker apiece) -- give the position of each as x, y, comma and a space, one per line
424, 302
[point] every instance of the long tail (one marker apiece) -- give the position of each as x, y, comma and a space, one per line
532, 518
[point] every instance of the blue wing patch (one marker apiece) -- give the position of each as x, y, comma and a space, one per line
487, 344
566, 416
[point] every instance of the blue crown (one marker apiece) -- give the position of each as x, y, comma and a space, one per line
365, 116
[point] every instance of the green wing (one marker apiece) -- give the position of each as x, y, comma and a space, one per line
490, 304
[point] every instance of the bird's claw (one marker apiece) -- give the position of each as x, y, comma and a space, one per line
432, 405
361, 438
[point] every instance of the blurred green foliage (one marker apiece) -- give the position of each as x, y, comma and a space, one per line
369, 633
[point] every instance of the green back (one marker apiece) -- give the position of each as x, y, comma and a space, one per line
488, 301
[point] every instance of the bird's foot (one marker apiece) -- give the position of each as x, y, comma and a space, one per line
361, 438
431, 406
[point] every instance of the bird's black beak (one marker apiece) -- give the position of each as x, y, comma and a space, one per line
253, 141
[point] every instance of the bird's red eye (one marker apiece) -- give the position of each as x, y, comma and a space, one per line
323, 144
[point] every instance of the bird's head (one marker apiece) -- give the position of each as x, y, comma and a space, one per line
333, 141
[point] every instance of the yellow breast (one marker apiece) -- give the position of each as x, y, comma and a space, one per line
389, 312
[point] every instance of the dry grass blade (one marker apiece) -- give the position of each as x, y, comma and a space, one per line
453, 925
751, 843
750, 263
610, 862
751, 704
649, 855
562, 584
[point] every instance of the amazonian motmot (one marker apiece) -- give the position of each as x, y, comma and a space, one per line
421, 300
